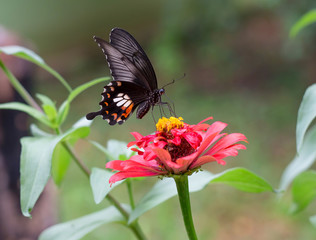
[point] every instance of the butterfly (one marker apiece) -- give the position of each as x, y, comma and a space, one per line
134, 82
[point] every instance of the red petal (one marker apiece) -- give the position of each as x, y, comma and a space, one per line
164, 157
202, 160
122, 175
193, 138
206, 119
226, 142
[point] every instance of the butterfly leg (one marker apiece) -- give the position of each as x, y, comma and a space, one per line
171, 110
152, 114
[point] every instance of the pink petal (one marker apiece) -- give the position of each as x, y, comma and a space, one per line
202, 160
230, 151
226, 142
176, 141
193, 138
206, 119
122, 175
163, 157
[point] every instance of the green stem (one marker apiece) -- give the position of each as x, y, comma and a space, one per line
56, 75
133, 226
184, 198
19, 88
130, 192
77, 160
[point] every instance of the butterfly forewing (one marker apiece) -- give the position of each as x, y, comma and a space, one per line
129, 47
121, 68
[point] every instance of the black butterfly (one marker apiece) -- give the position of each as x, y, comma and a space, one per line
134, 80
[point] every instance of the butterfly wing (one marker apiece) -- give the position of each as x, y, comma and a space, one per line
119, 100
130, 48
133, 75
121, 68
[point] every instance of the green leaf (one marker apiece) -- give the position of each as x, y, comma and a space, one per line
29, 55
99, 181
37, 132
243, 180
303, 190
64, 108
35, 169
306, 114
60, 163
22, 52
36, 157
302, 161
118, 150
165, 189
85, 86
100, 147
313, 220
307, 19
239, 178
49, 108
115, 150
79, 227
27, 109
61, 157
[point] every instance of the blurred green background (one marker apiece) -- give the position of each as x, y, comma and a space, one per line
241, 68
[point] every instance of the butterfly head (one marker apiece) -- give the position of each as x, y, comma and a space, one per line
161, 91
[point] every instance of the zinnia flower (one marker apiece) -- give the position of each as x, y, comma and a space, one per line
177, 148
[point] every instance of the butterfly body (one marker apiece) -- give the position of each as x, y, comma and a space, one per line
134, 80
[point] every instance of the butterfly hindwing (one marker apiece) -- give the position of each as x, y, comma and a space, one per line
119, 100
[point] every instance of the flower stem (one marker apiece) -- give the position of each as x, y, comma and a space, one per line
184, 198
130, 192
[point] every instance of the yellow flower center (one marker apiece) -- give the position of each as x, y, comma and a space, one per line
166, 124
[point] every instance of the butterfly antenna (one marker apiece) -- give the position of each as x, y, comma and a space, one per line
173, 81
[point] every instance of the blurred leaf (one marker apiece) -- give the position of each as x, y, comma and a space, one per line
36, 156
85, 86
307, 19
243, 180
302, 161
64, 108
35, 169
306, 114
49, 107
61, 157
115, 150
22, 52
239, 178
37, 132
303, 190
82, 122
29, 55
313, 220
27, 109
100, 147
165, 189
99, 181
79, 227
60, 163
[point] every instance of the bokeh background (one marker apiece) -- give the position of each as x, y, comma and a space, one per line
241, 68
